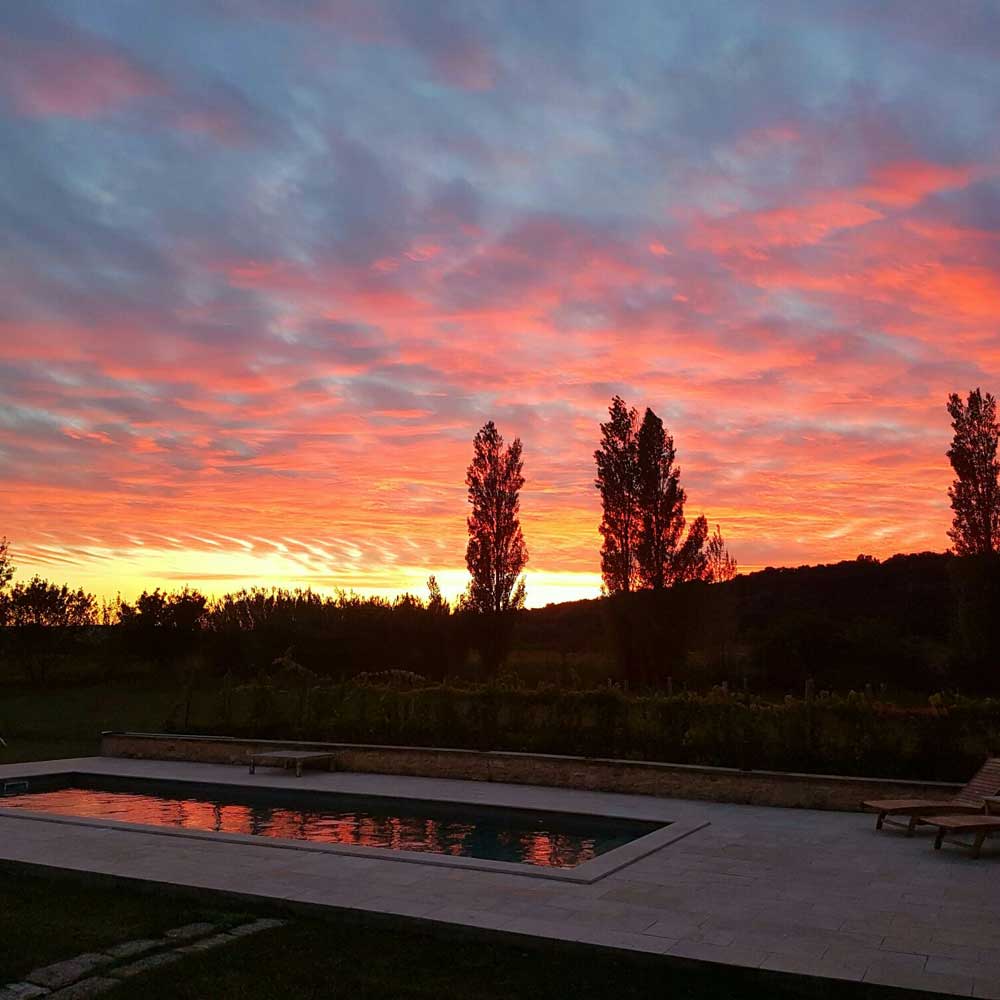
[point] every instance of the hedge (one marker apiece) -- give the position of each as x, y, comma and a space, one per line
854, 734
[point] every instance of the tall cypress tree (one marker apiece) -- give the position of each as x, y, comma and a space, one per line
642, 504
662, 557
496, 553
661, 503
617, 482
975, 493
6, 569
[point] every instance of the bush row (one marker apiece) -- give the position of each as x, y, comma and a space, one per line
854, 734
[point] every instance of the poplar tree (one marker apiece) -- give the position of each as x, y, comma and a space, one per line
663, 558
6, 574
642, 505
496, 553
6, 569
660, 504
975, 493
618, 483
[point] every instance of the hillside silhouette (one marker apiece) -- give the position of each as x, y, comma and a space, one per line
916, 622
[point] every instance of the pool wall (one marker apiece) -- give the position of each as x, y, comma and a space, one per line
683, 781
587, 873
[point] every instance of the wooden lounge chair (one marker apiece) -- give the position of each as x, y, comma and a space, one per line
980, 826
985, 782
288, 758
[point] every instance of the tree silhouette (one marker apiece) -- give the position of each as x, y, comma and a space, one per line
183, 610
690, 561
39, 603
975, 494
6, 568
161, 626
436, 601
618, 483
660, 507
496, 553
720, 566
44, 617
643, 506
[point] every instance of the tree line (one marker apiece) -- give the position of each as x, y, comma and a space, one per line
648, 551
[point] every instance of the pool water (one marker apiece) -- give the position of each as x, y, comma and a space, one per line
545, 839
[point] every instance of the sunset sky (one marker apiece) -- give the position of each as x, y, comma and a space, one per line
267, 265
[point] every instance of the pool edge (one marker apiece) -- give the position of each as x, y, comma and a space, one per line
585, 874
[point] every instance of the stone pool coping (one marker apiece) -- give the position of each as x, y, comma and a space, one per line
587, 873
629, 777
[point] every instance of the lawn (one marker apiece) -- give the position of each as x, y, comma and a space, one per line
66, 720
313, 959
45, 919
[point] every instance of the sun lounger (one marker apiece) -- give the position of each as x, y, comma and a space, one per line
285, 758
984, 783
947, 826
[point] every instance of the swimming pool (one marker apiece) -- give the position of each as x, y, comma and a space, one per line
552, 840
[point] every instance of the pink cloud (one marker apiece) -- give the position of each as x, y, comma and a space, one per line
72, 75
75, 79
813, 215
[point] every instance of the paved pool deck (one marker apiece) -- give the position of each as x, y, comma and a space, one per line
814, 893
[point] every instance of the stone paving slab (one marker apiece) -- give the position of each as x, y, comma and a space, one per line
22, 991
129, 949
823, 967
812, 893
145, 964
264, 924
888, 975
62, 973
190, 931
206, 944
72, 975
85, 989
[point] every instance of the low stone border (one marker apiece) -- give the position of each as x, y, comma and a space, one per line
631, 777
94, 973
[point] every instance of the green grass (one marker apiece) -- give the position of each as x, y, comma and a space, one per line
65, 720
313, 959
46, 919
46, 749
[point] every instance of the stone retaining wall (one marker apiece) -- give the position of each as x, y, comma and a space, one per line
684, 781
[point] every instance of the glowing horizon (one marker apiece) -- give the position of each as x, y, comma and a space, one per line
270, 266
